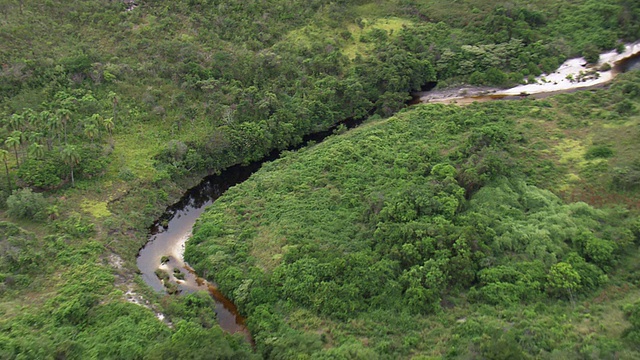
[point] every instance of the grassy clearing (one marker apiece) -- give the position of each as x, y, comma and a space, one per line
356, 46
98, 209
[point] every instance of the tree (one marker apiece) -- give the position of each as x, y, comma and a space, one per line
71, 157
108, 125
14, 141
36, 150
591, 53
114, 97
54, 123
42, 119
562, 277
90, 131
16, 121
64, 115
4, 154
26, 204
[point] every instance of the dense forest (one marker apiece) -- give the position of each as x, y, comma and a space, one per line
501, 230
431, 233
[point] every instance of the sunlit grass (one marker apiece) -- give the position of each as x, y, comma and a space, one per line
135, 151
96, 208
354, 46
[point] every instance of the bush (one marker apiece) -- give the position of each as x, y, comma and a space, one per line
625, 107
42, 174
495, 77
605, 67
25, 204
591, 54
626, 178
93, 163
600, 151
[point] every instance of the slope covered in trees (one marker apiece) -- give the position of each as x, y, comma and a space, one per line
109, 112
217, 83
430, 233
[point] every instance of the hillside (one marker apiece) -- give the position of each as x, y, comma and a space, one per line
499, 230
109, 112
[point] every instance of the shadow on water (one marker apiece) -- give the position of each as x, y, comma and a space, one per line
168, 235
628, 64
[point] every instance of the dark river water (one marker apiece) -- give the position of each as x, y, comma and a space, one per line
169, 233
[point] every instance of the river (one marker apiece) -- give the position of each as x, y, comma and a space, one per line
170, 232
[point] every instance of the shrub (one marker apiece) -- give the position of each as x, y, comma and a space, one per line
126, 174
600, 151
496, 77
605, 67
43, 174
626, 178
25, 204
93, 163
591, 54
477, 78
625, 107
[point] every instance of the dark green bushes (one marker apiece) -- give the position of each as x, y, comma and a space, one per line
627, 178
43, 174
20, 256
406, 216
601, 151
25, 204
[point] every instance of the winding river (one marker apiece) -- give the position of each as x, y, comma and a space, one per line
170, 232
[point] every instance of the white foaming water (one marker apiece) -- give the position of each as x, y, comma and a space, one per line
564, 78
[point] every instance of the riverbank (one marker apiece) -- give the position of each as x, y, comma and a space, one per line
577, 73
574, 74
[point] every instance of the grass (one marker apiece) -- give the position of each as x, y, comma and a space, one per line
355, 46
268, 248
98, 209
134, 150
564, 138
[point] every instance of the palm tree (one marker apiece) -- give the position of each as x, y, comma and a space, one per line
30, 119
108, 125
42, 120
4, 154
54, 123
95, 119
16, 121
114, 97
22, 136
14, 141
34, 137
36, 150
90, 131
71, 157
64, 115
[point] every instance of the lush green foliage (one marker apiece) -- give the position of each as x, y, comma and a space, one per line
108, 113
407, 217
26, 204
255, 78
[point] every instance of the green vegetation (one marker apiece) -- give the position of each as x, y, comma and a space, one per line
431, 234
108, 113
